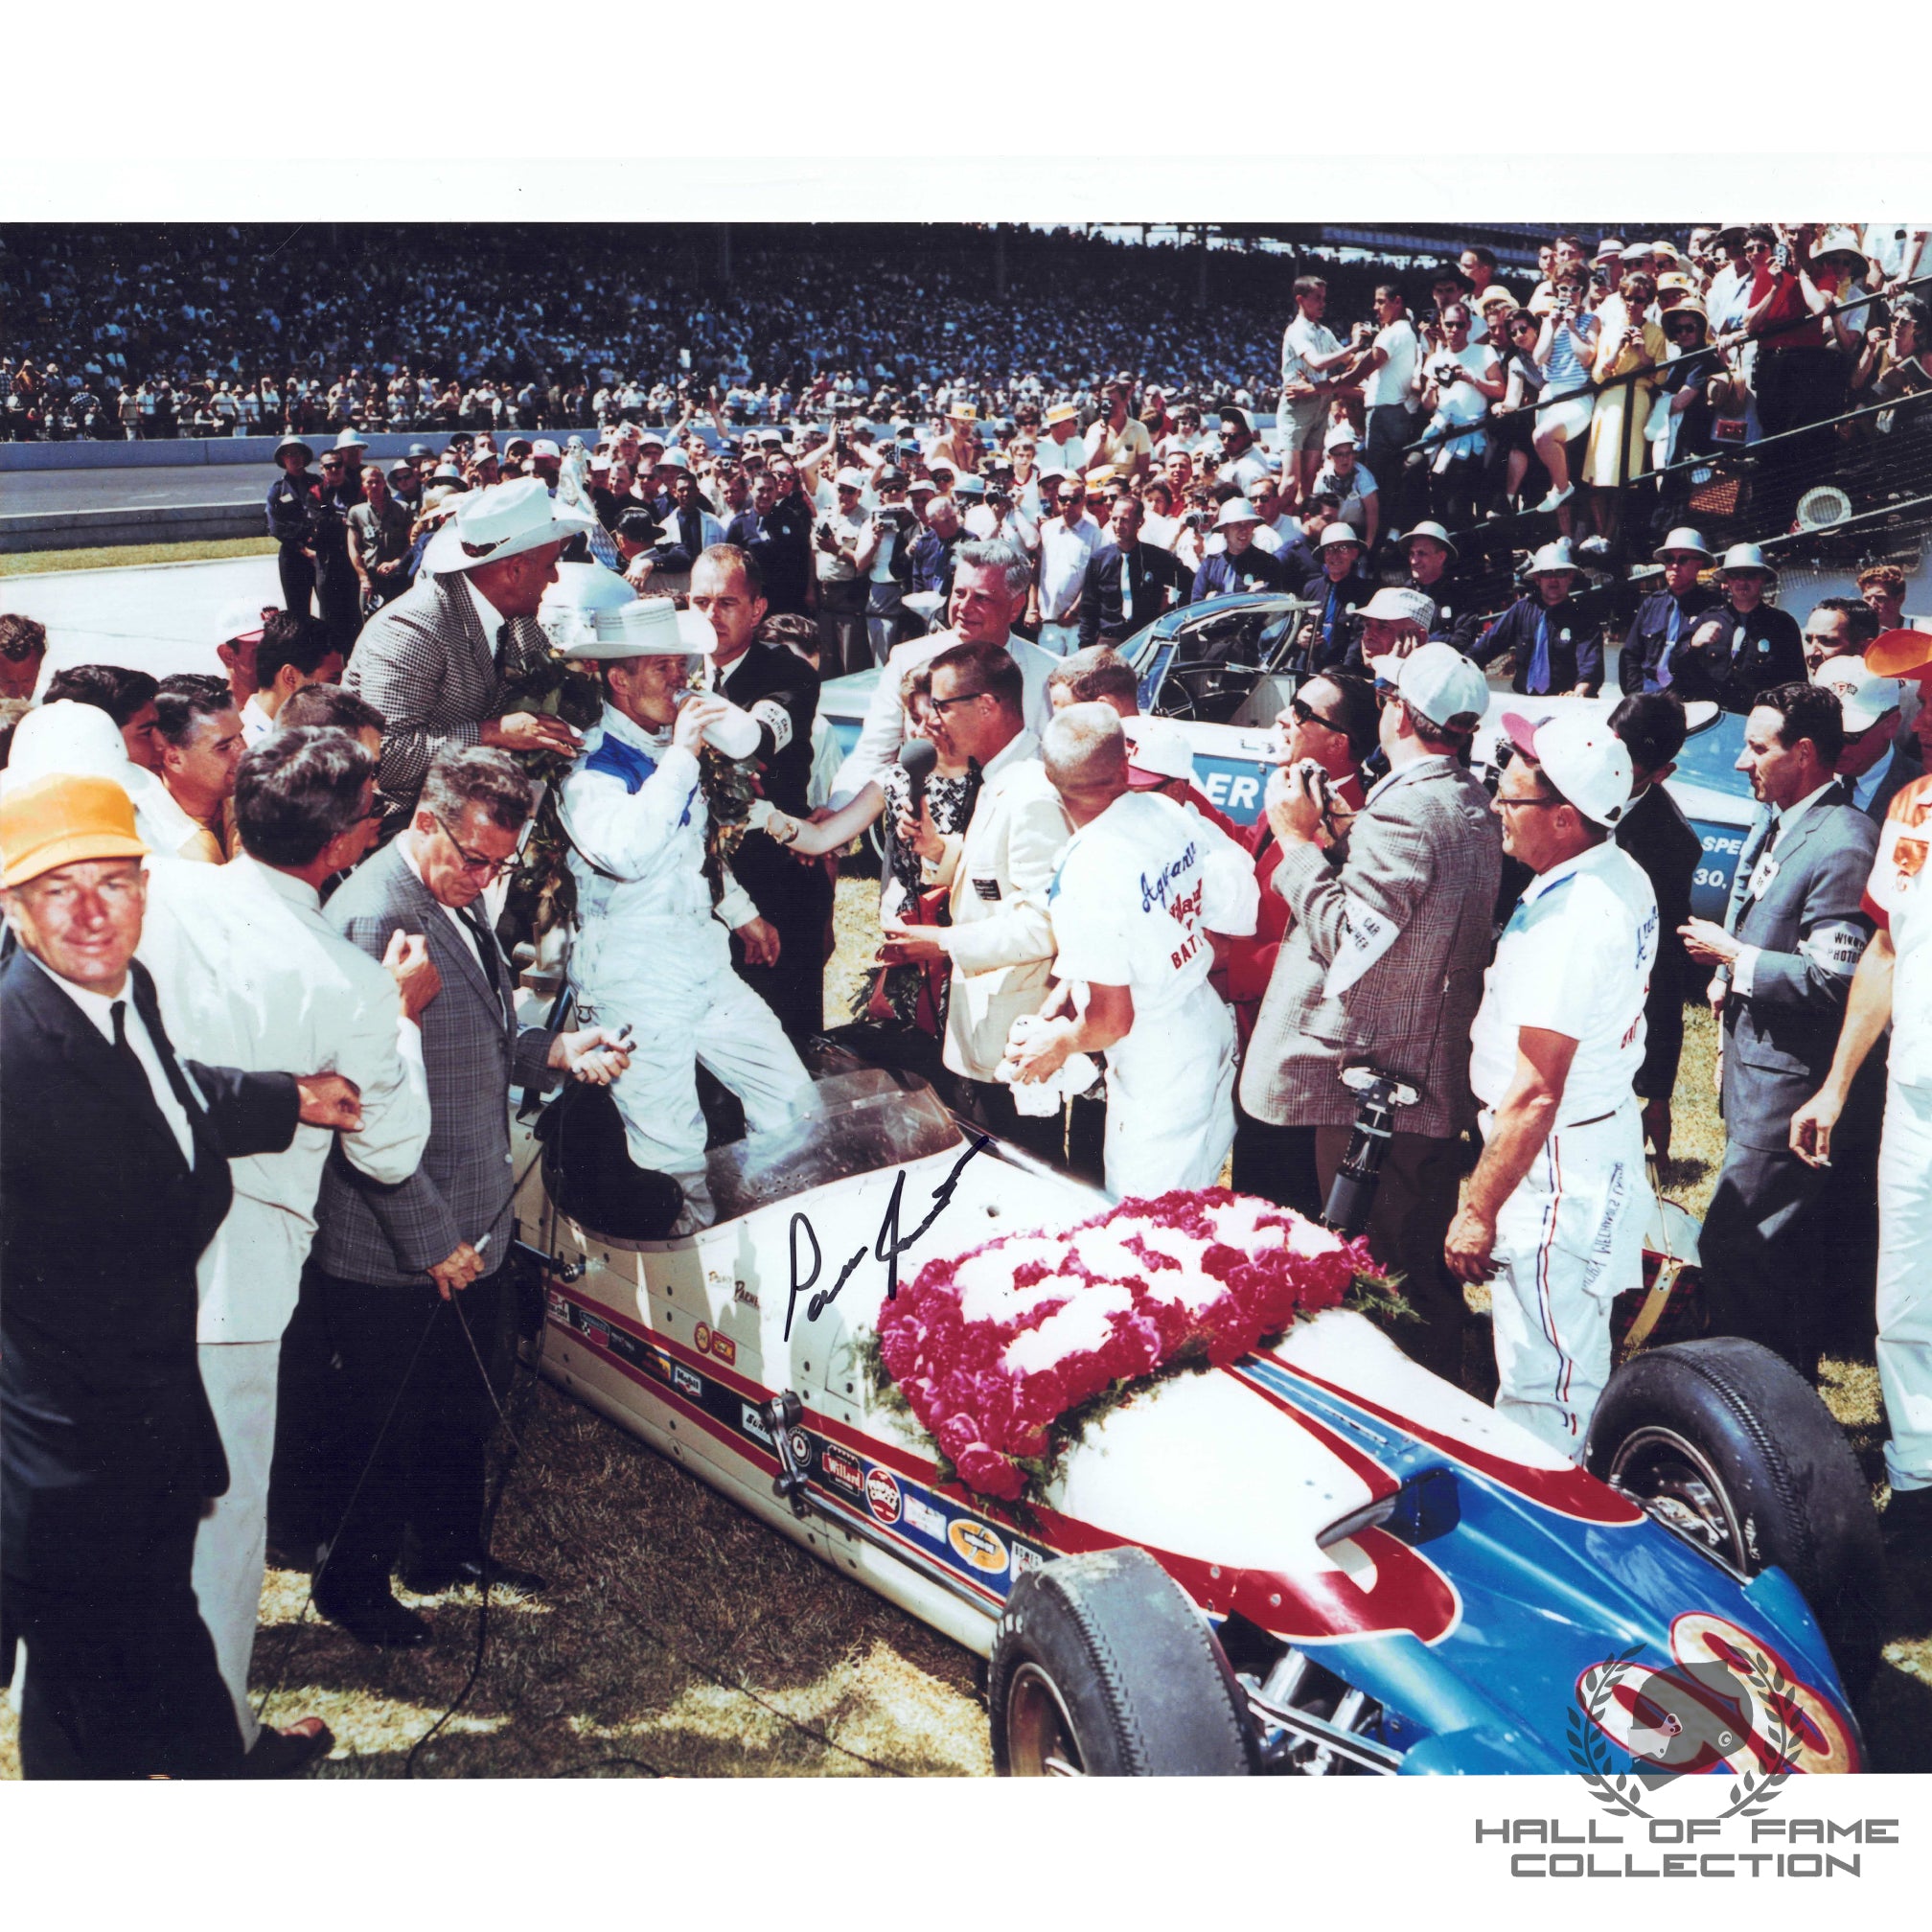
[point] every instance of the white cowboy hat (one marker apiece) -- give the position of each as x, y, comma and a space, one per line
645, 627
491, 526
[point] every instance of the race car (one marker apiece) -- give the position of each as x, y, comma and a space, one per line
1218, 669
1320, 1559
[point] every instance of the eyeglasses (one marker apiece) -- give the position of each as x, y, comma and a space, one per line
942, 706
485, 868
1307, 714
1520, 804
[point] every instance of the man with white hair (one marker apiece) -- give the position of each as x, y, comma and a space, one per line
651, 953
1143, 887
990, 585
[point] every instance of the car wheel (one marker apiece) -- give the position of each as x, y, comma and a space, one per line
1728, 1443
1102, 1667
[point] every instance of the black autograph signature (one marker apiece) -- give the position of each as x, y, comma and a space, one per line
887, 1247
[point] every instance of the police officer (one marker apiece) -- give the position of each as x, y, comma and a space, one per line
338, 592
1432, 570
780, 691
1558, 1203
1557, 650
291, 497
1331, 635
1667, 617
1742, 646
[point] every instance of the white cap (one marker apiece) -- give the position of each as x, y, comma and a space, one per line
1237, 509
1340, 533
1155, 753
66, 740
1339, 434
1747, 557
544, 447
850, 479
672, 459
1552, 558
1863, 696
1582, 758
1440, 682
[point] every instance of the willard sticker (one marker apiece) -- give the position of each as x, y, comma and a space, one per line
984, 1549
882, 1494
842, 1469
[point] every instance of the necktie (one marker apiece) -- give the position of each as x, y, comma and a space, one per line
1126, 590
177, 1083
502, 650
1537, 683
486, 944
1669, 645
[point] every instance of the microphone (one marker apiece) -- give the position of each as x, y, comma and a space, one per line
918, 757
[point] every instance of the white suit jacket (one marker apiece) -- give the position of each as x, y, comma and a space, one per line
250, 974
883, 732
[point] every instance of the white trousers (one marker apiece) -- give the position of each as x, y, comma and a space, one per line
1905, 1284
231, 1544
720, 1022
1568, 1242
1062, 639
1170, 1098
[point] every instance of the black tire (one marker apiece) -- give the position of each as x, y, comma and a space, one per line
1102, 1667
1778, 1485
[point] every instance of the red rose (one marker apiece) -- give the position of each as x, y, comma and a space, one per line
956, 1434
1043, 1396
989, 1472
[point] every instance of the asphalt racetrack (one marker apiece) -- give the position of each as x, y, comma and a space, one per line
47, 492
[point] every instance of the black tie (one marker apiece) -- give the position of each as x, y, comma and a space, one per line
502, 647
177, 1083
486, 944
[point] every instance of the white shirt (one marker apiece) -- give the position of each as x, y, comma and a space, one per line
1576, 959
251, 974
98, 1008
1138, 890
487, 613
1899, 898
256, 722
449, 912
1064, 551
1390, 382
1301, 339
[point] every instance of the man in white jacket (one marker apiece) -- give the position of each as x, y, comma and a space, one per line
252, 975
651, 953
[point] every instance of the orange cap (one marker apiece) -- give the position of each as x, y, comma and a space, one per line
1899, 653
61, 820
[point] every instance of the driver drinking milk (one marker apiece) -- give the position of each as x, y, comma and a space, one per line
651, 953
1141, 891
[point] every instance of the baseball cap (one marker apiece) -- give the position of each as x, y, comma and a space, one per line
1436, 680
850, 479
1233, 413
1398, 604
61, 819
1583, 758
1155, 753
544, 447
921, 486
1863, 694
1339, 434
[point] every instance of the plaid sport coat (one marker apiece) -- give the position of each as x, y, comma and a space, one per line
1410, 916
473, 1052
427, 665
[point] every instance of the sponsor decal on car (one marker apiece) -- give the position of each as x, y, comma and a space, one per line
984, 1549
754, 1425
882, 1494
685, 1382
709, 1342
1025, 1558
921, 1515
844, 1471
801, 1448
743, 1292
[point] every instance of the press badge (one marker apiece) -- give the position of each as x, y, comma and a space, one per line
1761, 875
776, 719
987, 886
1366, 935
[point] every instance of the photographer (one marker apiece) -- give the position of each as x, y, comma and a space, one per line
1462, 379
885, 560
836, 537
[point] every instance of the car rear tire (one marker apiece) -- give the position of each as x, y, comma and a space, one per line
1737, 1448
1102, 1667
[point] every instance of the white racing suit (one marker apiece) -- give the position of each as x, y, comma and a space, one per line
651, 953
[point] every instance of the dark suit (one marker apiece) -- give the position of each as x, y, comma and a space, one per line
1657, 835
1576, 649
1787, 1246
1663, 621
107, 1444
1154, 577
1749, 654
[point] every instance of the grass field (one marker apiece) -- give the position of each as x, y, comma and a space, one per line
681, 1638
36, 563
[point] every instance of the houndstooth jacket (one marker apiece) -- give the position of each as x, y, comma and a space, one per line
473, 1052
1413, 907
427, 663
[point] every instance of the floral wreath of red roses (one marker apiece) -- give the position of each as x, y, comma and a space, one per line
991, 1348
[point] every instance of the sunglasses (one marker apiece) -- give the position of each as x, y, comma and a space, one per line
942, 706
485, 868
1307, 714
